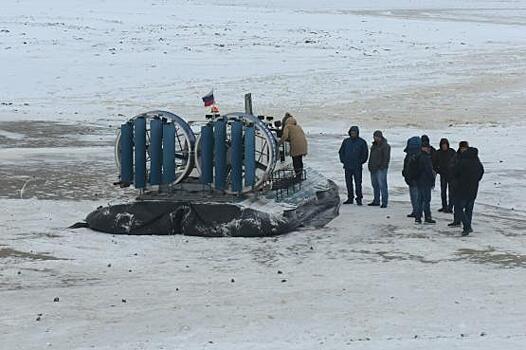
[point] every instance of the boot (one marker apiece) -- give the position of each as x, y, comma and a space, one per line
442, 210
373, 204
411, 215
454, 224
430, 221
418, 221
359, 201
348, 201
467, 231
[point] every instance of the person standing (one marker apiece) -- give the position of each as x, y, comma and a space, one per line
425, 140
353, 154
468, 172
442, 159
412, 150
293, 133
462, 147
378, 166
425, 181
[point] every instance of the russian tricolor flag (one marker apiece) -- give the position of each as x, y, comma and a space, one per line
208, 99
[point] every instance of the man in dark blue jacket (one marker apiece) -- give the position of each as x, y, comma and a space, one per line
425, 181
353, 154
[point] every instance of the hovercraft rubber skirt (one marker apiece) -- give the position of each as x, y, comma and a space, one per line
315, 208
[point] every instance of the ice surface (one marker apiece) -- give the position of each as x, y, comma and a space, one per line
369, 280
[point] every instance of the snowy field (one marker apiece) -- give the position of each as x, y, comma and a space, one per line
371, 279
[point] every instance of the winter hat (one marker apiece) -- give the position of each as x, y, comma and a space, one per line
463, 144
444, 141
378, 133
413, 145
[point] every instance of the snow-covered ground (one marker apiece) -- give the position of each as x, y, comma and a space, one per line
369, 280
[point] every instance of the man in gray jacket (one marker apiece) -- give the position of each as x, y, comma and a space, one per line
379, 158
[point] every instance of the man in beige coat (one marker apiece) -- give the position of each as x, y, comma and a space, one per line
293, 133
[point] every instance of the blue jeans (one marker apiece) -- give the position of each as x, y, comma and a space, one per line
357, 175
379, 183
465, 211
424, 202
413, 194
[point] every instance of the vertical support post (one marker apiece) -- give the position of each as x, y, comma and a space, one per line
140, 152
220, 153
248, 104
168, 175
207, 154
156, 139
126, 153
237, 156
250, 156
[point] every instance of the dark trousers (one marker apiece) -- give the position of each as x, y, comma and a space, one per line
465, 212
297, 163
424, 202
447, 195
355, 174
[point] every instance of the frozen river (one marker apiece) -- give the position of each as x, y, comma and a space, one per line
369, 280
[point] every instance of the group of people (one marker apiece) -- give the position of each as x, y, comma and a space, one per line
460, 171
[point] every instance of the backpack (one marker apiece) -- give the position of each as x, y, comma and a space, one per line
412, 168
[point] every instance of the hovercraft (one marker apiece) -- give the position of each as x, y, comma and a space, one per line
226, 175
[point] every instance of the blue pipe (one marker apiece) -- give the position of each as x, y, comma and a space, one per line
207, 154
250, 156
220, 153
156, 138
237, 156
126, 153
140, 152
168, 153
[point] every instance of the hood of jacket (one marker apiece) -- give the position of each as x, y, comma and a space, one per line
444, 142
291, 121
354, 128
470, 153
414, 144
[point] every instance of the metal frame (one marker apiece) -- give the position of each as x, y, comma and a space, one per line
185, 140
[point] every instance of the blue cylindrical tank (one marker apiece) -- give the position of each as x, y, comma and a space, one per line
237, 155
168, 153
156, 141
126, 152
250, 156
207, 154
140, 152
220, 153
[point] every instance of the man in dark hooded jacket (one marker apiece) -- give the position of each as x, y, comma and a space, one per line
353, 154
378, 166
441, 162
425, 181
468, 173
462, 147
412, 150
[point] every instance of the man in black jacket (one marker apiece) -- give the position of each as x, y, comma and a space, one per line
468, 173
462, 147
378, 165
441, 161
